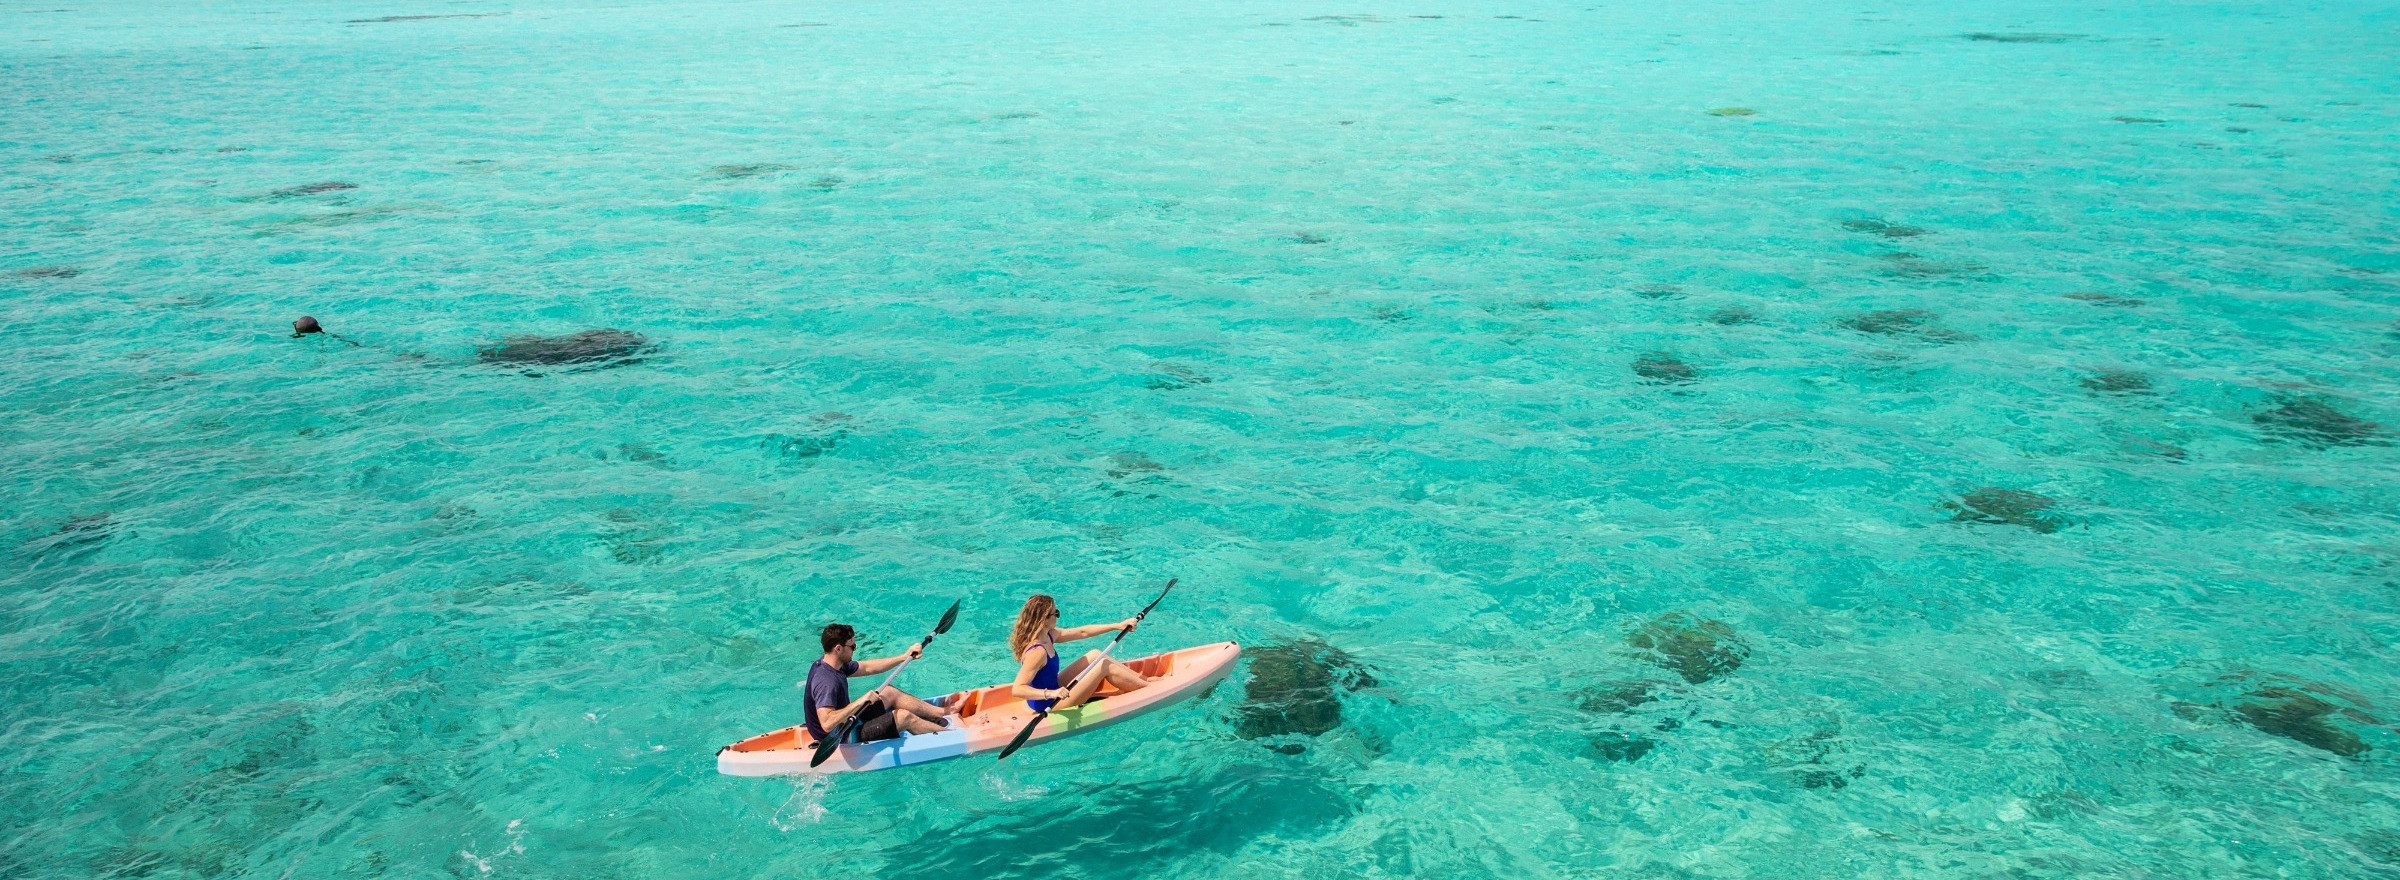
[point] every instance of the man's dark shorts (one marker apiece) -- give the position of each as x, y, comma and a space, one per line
879, 723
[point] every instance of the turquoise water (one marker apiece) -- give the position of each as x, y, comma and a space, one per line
1460, 338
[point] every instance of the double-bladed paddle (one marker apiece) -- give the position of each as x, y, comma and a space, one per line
833, 738
1097, 662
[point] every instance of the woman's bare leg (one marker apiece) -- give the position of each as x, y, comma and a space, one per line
1084, 686
1124, 677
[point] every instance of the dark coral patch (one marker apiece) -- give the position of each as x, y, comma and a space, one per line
1347, 20
827, 183
1125, 464
746, 171
1732, 315
48, 272
1309, 238
2302, 717
590, 348
1173, 377
394, 18
2117, 382
1664, 369
313, 189
76, 536
1918, 323
1697, 648
1833, 780
1611, 745
797, 447
2109, 300
1659, 291
2022, 38
2137, 120
1878, 227
2010, 507
1296, 688
1619, 697
2315, 421
1903, 264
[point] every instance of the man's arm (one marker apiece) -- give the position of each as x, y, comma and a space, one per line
885, 664
830, 718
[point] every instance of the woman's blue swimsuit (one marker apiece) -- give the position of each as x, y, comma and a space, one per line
1046, 679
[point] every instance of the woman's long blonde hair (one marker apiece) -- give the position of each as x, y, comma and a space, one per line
1033, 622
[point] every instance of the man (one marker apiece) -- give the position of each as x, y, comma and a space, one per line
888, 712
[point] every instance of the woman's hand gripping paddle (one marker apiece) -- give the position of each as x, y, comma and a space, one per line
833, 738
1097, 662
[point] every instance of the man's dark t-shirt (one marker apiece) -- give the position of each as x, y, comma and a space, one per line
827, 688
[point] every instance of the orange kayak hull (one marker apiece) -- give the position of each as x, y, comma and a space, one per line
985, 719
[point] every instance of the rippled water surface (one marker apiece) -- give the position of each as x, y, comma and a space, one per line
1790, 439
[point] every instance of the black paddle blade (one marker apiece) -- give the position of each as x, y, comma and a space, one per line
1162, 596
1019, 742
948, 617
825, 747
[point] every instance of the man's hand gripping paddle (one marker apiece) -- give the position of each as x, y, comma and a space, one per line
833, 738
1097, 662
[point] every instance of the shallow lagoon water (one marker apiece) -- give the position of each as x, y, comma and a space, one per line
1337, 313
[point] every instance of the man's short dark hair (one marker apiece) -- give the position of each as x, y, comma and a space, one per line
835, 634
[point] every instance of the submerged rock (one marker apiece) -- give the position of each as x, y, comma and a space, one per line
48, 272
1904, 264
1664, 369
1890, 322
595, 348
1173, 377
1878, 227
792, 447
1732, 315
1829, 779
313, 189
1296, 688
1309, 238
1918, 323
75, 536
2022, 38
1612, 745
2297, 714
393, 18
2109, 300
1124, 464
1733, 111
2137, 120
748, 170
2314, 421
1619, 697
2010, 507
1697, 648
2117, 382
1659, 291
1347, 20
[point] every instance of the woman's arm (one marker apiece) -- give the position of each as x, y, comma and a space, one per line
1035, 658
1085, 632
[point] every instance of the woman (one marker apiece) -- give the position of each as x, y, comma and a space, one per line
1040, 683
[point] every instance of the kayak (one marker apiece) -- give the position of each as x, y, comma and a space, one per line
986, 719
